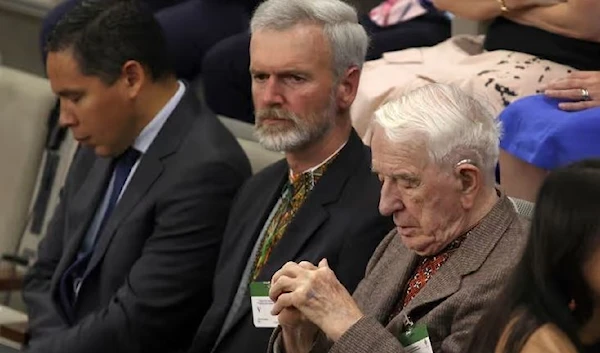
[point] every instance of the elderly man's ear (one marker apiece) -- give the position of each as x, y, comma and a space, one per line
470, 182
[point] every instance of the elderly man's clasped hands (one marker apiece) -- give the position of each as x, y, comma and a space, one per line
306, 295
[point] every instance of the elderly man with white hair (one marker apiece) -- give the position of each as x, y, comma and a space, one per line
456, 239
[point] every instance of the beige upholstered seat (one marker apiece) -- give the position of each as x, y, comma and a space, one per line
259, 157
31, 236
464, 26
523, 207
25, 102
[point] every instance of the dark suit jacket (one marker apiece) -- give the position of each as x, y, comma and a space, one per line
339, 221
149, 279
452, 301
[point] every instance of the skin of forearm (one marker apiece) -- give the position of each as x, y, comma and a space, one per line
477, 10
480, 10
575, 19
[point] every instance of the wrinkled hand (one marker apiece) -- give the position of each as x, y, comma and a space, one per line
290, 317
317, 294
297, 331
570, 88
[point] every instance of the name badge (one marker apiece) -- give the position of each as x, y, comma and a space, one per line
416, 340
262, 305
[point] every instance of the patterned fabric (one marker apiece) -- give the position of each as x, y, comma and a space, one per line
426, 268
392, 12
295, 192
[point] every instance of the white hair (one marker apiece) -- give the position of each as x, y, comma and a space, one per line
347, 38
453, 126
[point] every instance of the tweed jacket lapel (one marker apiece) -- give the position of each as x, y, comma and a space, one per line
469, 257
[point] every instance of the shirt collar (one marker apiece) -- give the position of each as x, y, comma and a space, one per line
149, 133
312, 169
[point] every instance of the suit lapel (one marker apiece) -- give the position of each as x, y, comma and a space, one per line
285, 250
83, 210
391, 280
311, 215
148, 171
255, 222
150, 168
469, 257
302, 228
249, 231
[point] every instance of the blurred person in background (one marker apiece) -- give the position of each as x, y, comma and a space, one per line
527, 45
392, 25
550, 130
551, 303
191, 27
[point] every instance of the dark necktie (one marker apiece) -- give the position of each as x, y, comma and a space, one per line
72, 278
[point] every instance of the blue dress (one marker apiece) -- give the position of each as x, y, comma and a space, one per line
538, 132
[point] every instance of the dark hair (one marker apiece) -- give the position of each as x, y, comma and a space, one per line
565, 231
105, 34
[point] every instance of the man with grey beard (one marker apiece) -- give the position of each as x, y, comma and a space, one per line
321, 201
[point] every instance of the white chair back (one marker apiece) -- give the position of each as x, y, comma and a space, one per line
25, 103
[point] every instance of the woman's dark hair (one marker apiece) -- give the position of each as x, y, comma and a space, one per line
565, 231
104, 34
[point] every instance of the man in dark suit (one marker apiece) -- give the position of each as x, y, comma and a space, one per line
128, 259
321, 201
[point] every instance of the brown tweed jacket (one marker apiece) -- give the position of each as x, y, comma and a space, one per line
452, 301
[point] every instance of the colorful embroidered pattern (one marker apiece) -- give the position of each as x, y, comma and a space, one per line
294, 194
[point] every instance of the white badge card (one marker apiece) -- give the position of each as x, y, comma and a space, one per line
262, 305
416, 340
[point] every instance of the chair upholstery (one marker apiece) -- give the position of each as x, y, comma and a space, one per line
25, 102
31, 238
20, 25
239, 128
259, 156
10, 318
464, 26
523, 207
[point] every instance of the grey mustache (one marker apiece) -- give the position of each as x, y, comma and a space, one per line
275, 113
